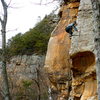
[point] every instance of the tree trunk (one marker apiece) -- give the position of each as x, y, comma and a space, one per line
4, 71
96, 11
38, 84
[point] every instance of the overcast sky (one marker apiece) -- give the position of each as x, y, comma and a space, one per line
24, 14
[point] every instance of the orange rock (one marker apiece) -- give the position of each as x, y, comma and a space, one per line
73, 5
57, 62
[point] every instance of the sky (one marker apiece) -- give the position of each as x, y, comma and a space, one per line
24, 14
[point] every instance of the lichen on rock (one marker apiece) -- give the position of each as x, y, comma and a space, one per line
75, 57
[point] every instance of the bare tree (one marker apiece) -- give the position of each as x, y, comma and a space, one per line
3, 21
40, 3
96, 11
37, 81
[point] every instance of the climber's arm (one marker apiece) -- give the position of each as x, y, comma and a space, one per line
75, 28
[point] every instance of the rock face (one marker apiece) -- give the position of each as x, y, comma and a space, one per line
25, 66
24, 71
76, 55
58, 63
83, 55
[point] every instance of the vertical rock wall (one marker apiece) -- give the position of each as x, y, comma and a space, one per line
83, 55
57, 63
81, 50
23, 71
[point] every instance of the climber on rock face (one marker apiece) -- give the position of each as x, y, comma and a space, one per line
70, 28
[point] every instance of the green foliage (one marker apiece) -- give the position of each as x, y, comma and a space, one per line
33, 41
16, 44
29, 91
27, 83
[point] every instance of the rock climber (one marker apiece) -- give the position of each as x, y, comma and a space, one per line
70, 28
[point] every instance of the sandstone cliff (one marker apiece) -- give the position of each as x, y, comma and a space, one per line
58, 62
77, 56
69, 64
83, 54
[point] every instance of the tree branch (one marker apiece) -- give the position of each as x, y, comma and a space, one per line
4, 21
9, 3
0, 20
44, 3
4, 4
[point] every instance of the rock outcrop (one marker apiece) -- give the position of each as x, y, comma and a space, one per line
83, 55
77, 56
24, 74
58, 63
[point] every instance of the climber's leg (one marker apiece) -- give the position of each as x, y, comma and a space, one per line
70, 34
